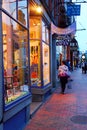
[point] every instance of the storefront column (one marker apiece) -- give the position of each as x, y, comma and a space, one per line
71, 59
1, 73
54, 61
68, 52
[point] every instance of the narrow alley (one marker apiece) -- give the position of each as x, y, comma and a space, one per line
64, 112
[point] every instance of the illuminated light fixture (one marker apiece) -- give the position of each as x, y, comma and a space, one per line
34, 24
37, 24
83, 57
39, 9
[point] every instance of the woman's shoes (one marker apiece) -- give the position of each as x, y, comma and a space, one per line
62, 92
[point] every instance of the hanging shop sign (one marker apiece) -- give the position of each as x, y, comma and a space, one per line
63, 40
73, 10
61, 43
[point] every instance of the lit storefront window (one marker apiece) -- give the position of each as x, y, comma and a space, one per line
45, 54
35, 25
39, 45
46, 66
35, 63
15, 59
35, 49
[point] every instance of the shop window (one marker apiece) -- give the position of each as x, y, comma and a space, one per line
17, 9
35, 63
45, 33
15, 59
46, 65
35, 26
10, 6
35, 49
45, 53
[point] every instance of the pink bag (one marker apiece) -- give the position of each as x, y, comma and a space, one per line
62, 75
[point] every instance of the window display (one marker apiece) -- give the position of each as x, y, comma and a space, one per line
35, 28
38, 48
46, 66
15, 59
35, 49
45, 54
35, 63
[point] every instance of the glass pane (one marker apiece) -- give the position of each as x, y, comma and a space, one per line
15, 58
47, 35
35, 63
22, 11
46, 65
10, 6
35, 28
15, 9
43, 32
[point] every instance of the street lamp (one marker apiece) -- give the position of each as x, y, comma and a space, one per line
83, 57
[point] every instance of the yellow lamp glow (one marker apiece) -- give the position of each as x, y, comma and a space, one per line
39, 9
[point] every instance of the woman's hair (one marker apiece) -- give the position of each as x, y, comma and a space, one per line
64, 62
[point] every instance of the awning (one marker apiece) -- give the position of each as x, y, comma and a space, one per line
63, 31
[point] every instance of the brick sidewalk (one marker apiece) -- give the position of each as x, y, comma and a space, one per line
64, 112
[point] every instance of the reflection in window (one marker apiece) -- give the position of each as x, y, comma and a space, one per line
15, 58
10, 6
45, 33
22, 11
46, 66
17, 9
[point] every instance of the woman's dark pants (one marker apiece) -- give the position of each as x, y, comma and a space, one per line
63, 81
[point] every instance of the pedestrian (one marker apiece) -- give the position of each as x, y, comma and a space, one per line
63, 75
84, 67
68, 64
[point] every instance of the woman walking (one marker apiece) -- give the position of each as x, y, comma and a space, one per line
63, 75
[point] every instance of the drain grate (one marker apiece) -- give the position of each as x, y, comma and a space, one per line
79, 119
